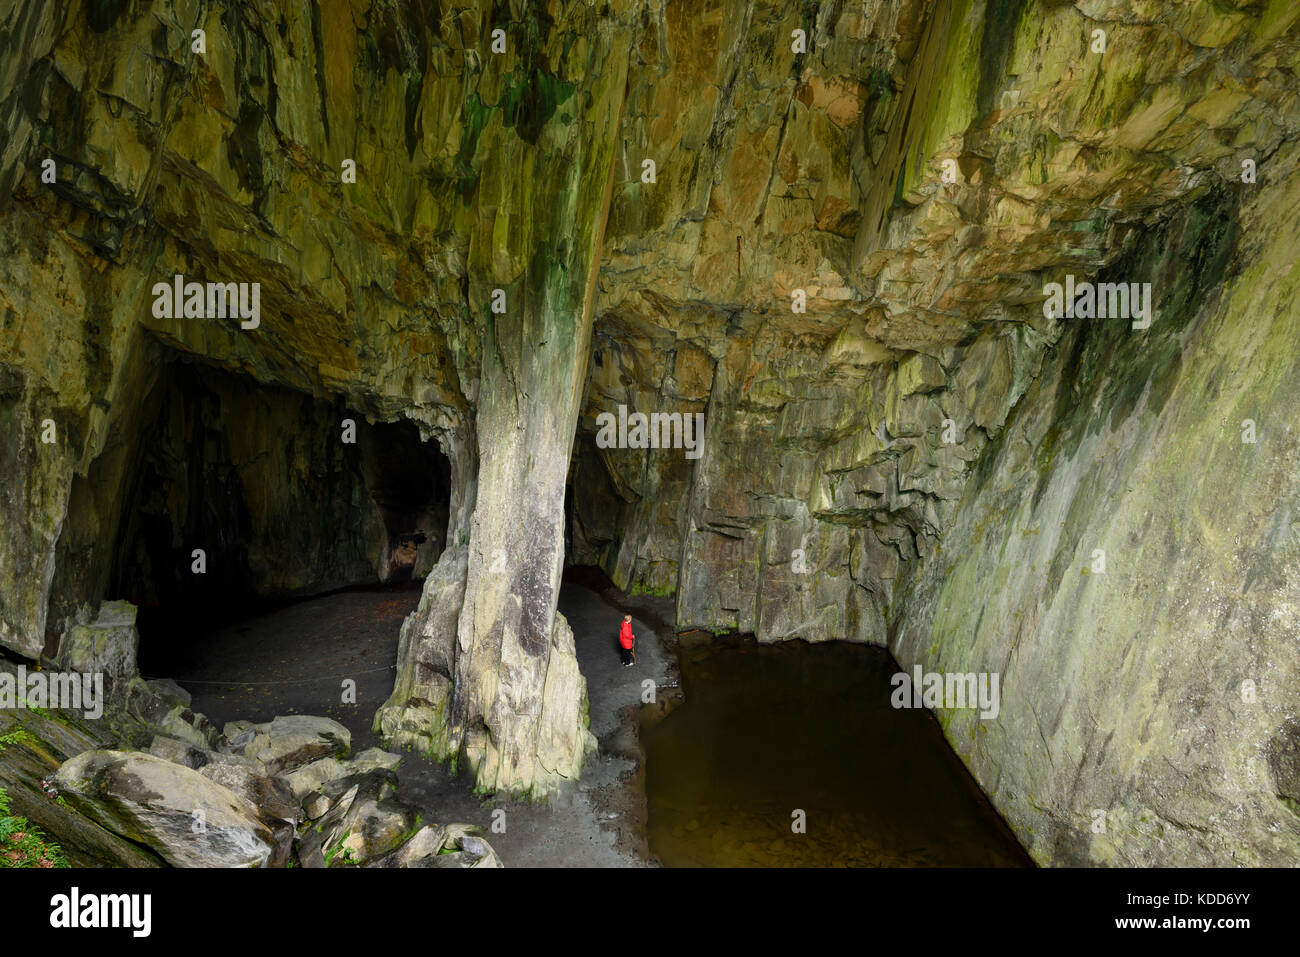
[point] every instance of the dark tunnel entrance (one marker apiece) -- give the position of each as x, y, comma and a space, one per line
410, 481
242, 497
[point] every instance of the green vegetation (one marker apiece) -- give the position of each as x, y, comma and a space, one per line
18, 735
345, 858
663, 591
407, 835
529, 100
22, 845
475, 117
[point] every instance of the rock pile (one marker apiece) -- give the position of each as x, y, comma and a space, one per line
155, 774
262, 795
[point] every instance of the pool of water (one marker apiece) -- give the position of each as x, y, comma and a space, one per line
765, 731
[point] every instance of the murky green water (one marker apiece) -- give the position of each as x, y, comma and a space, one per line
765, 731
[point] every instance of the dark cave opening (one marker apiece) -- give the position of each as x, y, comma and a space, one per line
235, 498
411, 484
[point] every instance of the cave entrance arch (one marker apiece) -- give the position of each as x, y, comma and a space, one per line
410, 482
229, 497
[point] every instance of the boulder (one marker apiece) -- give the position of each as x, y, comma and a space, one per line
159, 707
274, 802
315, 805
365, 822
425, 843
372, 829
315, 838
146, 706
311, 777
277, 807
192, 756
107, 645
238, 734
188, 819
381, 783
373, 759
188, 726
288, 742
170, 691
178, 752
469, 841
454, 845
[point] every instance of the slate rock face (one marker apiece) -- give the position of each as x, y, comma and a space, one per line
189, 820
364, 822
1122, 563
108, 645
38, 742
290, 741
307, 778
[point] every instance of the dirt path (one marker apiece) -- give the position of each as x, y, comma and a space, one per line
294, 661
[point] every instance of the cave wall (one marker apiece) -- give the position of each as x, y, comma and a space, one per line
827, 437
825, 449
409, 479
173, 162
1132, 443
227, 164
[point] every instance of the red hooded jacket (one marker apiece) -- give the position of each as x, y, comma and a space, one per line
625, 635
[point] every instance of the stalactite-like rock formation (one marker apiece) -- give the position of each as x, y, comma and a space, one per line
507, 692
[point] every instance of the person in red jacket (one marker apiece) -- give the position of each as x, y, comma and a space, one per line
627, 642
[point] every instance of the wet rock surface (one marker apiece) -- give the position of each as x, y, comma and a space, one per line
188, 819
290, 741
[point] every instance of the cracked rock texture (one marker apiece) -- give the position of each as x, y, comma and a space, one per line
919, 458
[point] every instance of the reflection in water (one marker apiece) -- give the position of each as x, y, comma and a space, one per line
766, 730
